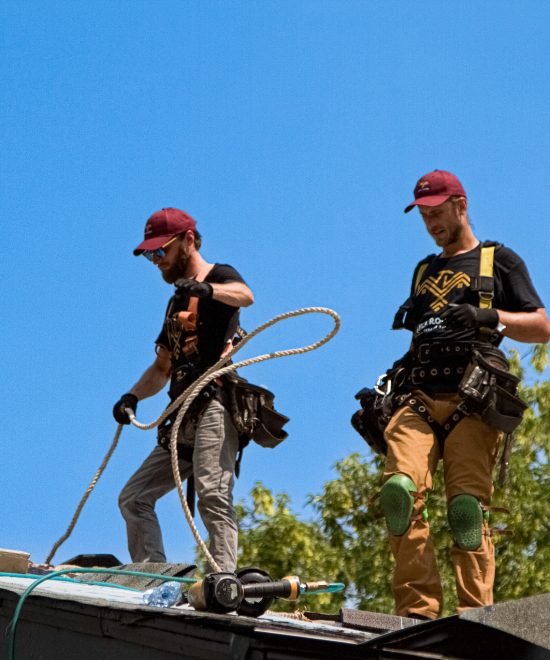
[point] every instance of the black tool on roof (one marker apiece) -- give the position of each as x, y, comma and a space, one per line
250, 591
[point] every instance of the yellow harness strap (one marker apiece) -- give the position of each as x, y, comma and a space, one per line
486, 270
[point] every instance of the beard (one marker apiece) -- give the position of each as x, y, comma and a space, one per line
454, 235
179, 269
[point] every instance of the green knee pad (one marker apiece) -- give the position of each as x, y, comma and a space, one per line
466, 521
397, 503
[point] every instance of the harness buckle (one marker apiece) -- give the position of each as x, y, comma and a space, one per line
424, 352
418, 375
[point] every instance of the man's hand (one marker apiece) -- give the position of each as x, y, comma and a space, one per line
191, 287
464, 316
126, 401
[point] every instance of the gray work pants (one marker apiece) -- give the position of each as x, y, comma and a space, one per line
216, 444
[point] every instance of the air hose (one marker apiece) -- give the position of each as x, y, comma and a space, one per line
184, 401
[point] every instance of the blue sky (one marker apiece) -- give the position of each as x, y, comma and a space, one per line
294, 132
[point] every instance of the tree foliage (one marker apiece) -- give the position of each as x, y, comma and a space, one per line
346, 541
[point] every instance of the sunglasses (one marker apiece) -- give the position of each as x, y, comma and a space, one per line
159, 252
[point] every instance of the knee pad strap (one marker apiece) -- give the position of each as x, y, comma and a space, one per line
397, 503
465, 516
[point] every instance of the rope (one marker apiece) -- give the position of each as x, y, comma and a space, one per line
86, 496
186, 399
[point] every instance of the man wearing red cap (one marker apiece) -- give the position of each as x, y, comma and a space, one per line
454, 398
201, 320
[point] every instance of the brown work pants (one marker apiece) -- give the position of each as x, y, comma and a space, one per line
468, 459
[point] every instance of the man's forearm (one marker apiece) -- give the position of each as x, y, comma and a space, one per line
235, 294
151, 382
529, 327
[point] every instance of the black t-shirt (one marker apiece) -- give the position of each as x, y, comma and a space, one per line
216, 324
447, 280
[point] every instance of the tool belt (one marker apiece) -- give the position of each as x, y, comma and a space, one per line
486, 388
251, 408
253, 412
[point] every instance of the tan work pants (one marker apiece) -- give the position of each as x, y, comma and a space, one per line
469, 456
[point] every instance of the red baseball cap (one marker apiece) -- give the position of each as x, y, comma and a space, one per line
435, 188
162, 226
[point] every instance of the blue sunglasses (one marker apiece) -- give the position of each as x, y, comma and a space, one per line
159, 252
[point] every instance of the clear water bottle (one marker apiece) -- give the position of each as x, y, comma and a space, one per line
165, 595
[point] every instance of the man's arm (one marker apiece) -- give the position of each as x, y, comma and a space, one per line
155, 377
530, 327
236, 294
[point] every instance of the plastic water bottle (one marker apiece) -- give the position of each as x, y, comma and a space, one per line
165, 595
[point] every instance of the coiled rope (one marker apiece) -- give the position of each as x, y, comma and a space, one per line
186, 399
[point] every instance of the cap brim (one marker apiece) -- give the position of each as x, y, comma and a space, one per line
152, 244
429, 200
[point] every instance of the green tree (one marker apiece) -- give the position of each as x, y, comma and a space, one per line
523, 559
346, 540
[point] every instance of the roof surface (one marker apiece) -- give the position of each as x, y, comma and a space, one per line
92, 621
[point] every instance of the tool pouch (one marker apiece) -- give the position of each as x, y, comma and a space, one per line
370, 421
253, 412
490, 390
378, 404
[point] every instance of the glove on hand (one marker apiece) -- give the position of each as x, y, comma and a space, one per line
193, 288
126, 401
467, 316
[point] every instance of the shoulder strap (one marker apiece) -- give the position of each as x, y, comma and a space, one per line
486, 266
484, 283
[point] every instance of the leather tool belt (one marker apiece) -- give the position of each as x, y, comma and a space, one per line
485, 385
253, 412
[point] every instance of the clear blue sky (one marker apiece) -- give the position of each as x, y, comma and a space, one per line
294, 132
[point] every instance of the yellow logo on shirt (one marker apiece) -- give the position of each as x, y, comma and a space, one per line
440, 285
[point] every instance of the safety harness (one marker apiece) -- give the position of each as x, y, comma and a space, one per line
486, 387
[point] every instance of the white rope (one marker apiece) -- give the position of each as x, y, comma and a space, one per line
186, 399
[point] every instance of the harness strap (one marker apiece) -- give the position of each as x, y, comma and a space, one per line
441, 431
420, 375
420, 409
486, 281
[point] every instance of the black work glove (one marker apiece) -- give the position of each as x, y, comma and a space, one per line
467, 316
126, 401
191, 287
